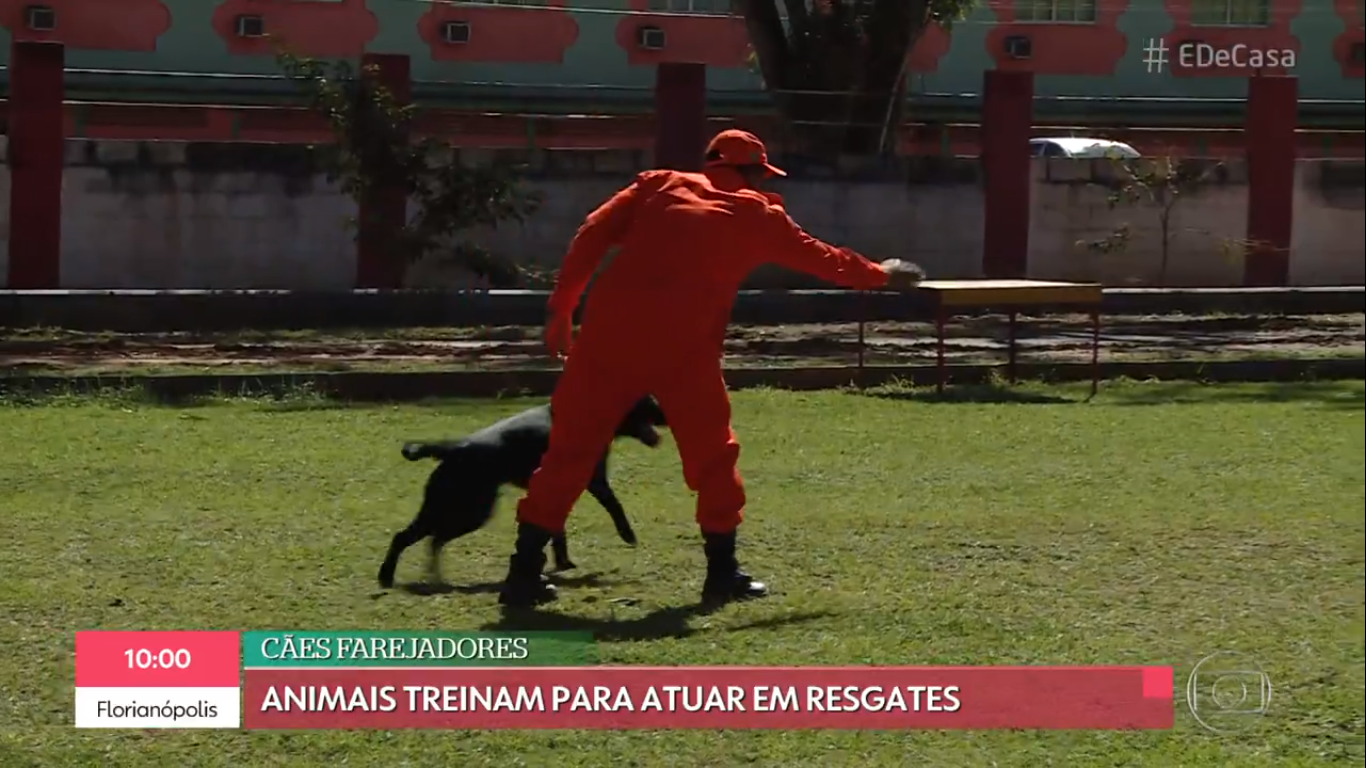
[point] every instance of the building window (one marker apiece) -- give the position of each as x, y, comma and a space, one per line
1231, 13
1056, 11
694, 7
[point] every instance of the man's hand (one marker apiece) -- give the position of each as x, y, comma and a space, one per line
559, 334
904, 275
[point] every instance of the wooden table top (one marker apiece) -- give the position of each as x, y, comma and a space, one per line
978, 293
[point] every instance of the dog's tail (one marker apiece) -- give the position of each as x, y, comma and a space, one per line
419, 451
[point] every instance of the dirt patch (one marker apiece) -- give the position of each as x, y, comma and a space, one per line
969, 340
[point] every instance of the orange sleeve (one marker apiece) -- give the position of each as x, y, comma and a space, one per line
790, 246
603, 229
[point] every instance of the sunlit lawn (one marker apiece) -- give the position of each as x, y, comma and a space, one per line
1156, 525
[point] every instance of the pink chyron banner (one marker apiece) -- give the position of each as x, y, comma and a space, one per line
620, 698
147, 680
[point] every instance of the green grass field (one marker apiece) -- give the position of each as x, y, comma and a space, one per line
1154, 525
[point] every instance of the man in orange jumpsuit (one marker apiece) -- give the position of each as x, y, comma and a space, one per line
655, 323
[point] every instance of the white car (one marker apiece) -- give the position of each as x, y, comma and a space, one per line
1075, 147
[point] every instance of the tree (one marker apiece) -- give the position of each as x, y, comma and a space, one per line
1158, 184
375, 150
837, 68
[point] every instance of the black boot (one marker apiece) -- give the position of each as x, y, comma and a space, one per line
526, 586
725, 581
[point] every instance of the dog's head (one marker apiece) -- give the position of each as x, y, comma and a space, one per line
641, 420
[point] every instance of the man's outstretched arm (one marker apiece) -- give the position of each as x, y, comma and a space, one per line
603, 229
791, 246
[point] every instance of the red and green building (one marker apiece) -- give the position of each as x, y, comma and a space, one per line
496, 64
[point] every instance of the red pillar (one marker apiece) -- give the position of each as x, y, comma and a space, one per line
1272, 116
36, 148
383, 211
1007, 119
681, 111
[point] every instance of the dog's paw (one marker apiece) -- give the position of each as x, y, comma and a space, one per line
567, 565
628, 536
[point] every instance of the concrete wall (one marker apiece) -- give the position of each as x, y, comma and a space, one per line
1328, 241
147, 215
1070, 206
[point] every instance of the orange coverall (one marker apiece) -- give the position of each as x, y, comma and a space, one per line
655, 323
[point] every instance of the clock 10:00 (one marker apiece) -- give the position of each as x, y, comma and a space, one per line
163, 659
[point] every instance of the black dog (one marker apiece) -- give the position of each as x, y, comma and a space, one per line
463, 489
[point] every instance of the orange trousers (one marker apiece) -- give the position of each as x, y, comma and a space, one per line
593, 395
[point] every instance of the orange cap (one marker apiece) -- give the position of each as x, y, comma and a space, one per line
736, 147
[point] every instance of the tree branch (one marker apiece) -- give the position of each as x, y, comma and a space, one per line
838, 70
765, 28
1161, 182
374, 151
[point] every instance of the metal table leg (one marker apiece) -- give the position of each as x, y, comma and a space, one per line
939, 319
862, 335
1010, 347
1095, 351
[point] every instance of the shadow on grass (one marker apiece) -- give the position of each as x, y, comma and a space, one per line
1340, 395
427, 589
657, 625
141, 392
968, 393
1337, 395
15, 392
